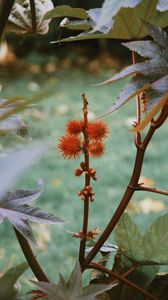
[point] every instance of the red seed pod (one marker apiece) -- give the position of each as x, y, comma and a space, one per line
83, 198
92, 171
91, 199
82, 165
70, 146
97, 130
78, 172
74, 127
96, 149
88, 188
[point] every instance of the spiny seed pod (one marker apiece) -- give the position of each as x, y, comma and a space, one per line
74, 127
70, 146
97, 130
96, 149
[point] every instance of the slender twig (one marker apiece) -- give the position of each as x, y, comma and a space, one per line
123, 279
33, 16
87, 182
5, 9
138, 106
152, 190
130, 188
30, 257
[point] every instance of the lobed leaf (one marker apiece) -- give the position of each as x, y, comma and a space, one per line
129, 91
159, 35
126, 24
8, 288
109, 10
14, 207
155, 241
128, 238
144, 48
21, 196
73, 288
150, 115
66, 11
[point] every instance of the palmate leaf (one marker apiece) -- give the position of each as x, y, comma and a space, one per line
110, 9
155, 109
20, 18
14, 207
8, 281
118, 20
72, 289
148, 249
150, 76
66, 11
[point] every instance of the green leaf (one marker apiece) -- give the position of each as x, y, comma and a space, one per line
66, 11
128, 238
8, 287
110, 9
75, 25
73, 288
127, 22
155, 241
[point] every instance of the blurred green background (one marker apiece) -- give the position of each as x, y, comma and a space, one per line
70, 70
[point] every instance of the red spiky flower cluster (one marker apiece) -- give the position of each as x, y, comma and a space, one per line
72, 145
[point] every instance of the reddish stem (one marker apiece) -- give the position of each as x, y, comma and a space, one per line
33, 15
30, 257
87, 182
152, 190
131, 186
123, 279
138, 106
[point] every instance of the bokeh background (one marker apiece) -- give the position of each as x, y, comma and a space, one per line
29, 65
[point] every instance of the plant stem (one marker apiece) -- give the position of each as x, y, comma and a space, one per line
33, 16
5, 9
87, 182
123, 279
131, 186
138, 106
30, 257
152, 190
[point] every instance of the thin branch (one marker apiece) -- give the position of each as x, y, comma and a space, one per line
33, 16
121, 207
131, 186
5, 9
30, 257
152, 190
138, 107
123, 279
87, 182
